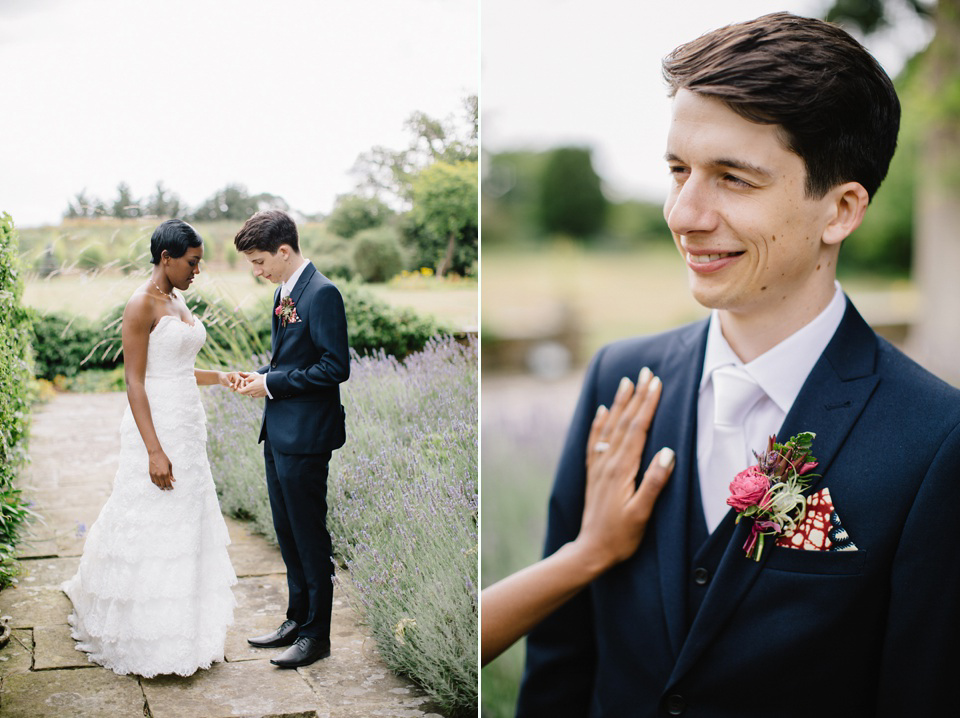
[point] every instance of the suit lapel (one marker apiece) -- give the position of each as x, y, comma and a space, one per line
295, 294
829, 404
275, 325
676, 426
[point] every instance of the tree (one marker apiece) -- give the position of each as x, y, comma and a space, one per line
84, 207
445, 216
571, 199
125, 205
353, 213
387, 172
935, 335
163, 203
234, 202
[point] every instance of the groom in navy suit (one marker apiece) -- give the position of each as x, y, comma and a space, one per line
303, 422
782, 130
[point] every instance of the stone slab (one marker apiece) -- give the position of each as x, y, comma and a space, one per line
70, 543
251, 554
34, 547
17, 655
31, 607
47, 572
77, 694
357, 684
252, 689
54, 648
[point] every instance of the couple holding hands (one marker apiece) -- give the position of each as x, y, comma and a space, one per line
152, 594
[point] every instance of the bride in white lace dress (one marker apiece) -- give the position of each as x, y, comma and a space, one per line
152, 593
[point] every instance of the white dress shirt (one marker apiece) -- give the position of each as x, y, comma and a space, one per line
285, 289
780, 372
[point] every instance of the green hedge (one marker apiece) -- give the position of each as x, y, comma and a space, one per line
14, 400
62, 342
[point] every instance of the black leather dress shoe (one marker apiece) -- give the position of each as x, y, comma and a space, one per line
303, 652
283, 636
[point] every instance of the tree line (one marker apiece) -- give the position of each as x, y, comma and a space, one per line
416, 205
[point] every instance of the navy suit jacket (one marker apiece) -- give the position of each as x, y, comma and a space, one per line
310, 359
690, 626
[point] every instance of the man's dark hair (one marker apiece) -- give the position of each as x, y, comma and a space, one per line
266, 231
175, 236
836, 106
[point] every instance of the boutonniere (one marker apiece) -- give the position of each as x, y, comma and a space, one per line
287, 311
771, 491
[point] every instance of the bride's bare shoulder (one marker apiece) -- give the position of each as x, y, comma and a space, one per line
141, 308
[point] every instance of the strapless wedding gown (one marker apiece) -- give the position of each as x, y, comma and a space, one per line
152, 593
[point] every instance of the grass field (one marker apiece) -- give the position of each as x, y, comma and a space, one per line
611, 295
90, 294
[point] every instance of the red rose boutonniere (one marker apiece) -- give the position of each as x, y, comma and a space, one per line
287, 311
771, 491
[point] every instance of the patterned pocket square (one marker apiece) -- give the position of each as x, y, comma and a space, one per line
820, 529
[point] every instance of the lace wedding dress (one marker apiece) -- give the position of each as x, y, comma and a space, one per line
152, 594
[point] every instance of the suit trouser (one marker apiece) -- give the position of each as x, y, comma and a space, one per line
297, 486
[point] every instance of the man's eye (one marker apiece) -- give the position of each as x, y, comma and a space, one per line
734, 180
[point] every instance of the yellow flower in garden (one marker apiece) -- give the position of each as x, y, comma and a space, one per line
426, 271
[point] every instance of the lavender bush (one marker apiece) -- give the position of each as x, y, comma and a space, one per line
522, 439
403, 506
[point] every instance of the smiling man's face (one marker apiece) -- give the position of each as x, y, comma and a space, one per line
739, 214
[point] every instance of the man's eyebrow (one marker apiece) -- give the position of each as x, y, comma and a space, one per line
725, 162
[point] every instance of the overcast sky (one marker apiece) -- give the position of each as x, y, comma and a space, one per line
588, 72
279, 96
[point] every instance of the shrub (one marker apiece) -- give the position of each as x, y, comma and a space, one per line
331, 254
403, 506
14, 405
374, 325
377, 254
62, 342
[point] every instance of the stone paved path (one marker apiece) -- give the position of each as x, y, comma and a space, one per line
74, 447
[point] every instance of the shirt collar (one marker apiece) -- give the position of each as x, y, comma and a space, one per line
286, 288
782, 370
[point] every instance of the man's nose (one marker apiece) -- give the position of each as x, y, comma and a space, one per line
692, 207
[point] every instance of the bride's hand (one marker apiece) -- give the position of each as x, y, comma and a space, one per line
616, 511
231, 379
161, 470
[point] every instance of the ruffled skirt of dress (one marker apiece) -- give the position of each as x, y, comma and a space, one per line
152, 594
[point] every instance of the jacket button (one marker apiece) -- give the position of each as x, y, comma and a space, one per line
676, 705
701, 576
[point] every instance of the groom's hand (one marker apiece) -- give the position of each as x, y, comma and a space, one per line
254, 384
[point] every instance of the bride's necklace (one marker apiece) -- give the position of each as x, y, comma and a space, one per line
160, 290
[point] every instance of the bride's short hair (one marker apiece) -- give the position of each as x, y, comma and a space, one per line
176, 237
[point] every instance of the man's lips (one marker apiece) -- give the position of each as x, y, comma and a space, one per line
706, 261
702, 258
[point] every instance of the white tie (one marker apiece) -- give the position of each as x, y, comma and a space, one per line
734, 394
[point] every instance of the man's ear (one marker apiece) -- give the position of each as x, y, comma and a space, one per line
848, 203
